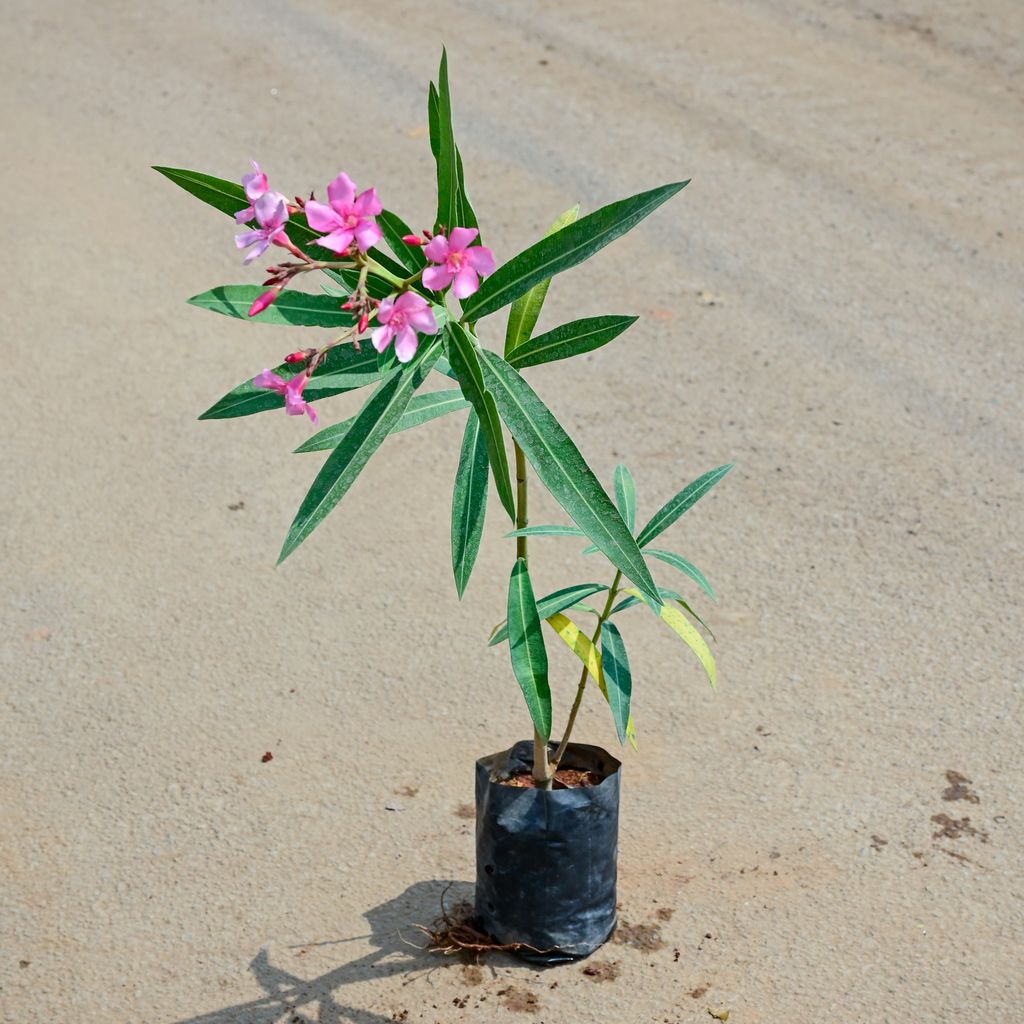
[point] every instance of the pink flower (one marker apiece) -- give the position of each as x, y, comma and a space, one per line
400, 319
294, 403
271, 215
254, 185
348, 217
457, 262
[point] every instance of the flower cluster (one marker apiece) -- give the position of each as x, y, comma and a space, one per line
347, 224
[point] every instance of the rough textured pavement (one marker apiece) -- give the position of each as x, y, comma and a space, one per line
834, 303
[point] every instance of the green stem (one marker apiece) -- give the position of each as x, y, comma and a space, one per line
582, 685
402, 284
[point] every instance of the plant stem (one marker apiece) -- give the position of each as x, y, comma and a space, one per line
560, 753
541, 768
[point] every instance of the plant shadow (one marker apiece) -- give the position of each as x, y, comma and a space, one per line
290, 999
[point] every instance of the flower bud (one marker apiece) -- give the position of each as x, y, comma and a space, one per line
412, 239
364, 322
266, 299
348, 306
297, 357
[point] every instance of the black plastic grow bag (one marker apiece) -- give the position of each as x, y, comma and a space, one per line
546, 859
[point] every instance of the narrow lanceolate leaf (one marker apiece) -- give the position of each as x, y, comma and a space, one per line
226, 196
469, 503
422, 409
522, 317
464, 357
292, 307
547, 531
394, 229
581, 645
685, 499
562, 250
555, 602
373, 424
685, 566
617, 676
434, 120
344, 369
625, 495
465, 213
563, 470
526, 646
447, 154
666, 595
571, 339
687, 632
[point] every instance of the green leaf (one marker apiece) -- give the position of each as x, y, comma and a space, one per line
447, 154
625, 495
547, 531
292, 307
571, 339
685, 566
434, 120
442, 365
373, 424
464, 357
555, 602
687, 632
422, 409
343, 369
469, 502
226, 196
563, 470
394, 229
562, 250
617, 676
522, 317
526, 646
466, 213
685, 499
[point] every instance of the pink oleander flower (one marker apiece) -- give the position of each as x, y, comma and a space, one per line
400, 319
294, 403
347, 217
254, 185
457, 262
271, 215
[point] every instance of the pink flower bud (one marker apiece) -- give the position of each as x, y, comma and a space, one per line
266, 299
364, 322
348, 306
297, 357
412, 239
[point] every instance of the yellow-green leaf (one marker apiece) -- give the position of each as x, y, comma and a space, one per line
579, 643
687, 632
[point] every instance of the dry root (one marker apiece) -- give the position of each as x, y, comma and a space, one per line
456, 932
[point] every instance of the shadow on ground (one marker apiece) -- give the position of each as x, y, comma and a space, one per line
289, 999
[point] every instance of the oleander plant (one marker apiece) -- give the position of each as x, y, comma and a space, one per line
398, 307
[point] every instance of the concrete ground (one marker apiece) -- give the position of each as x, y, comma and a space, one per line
834, 304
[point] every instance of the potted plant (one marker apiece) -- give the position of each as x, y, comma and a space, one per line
547, 810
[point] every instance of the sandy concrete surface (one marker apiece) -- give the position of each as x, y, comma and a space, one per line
834, 303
